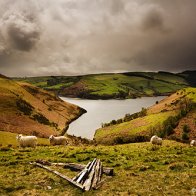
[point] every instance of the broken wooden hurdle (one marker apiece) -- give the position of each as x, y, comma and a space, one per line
89, 176
75, 166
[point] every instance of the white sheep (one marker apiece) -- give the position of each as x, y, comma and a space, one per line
193, 143
27, 141
156, 140
59, 140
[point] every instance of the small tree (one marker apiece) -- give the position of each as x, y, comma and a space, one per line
119, 121
185, 136
113, 122
169, 130
186, 129
143, 112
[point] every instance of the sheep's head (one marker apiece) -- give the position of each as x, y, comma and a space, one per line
193, 143
18, 136
51, 137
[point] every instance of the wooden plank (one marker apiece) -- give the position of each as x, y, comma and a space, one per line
95, 178
43, 162
85, 172
60, 175
76, 166
88, 182
77, 176
100, 172
106, 170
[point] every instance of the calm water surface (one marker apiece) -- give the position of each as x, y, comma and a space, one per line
102, 111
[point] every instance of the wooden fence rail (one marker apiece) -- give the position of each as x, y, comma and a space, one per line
89, 176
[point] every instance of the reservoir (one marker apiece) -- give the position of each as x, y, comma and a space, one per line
103, 111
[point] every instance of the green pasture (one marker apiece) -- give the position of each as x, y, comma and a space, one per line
139, 169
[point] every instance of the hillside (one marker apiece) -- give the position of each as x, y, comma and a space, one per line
115, 86
169, 170
27, 109
173, 118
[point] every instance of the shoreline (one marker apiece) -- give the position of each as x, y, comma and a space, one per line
113, 98
82, 111
96, 108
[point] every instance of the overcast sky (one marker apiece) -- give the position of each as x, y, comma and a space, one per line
68, 37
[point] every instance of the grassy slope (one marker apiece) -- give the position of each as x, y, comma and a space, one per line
9, 139
37, 81
169, 170
127, 85
15, 99
113, 83
156, 115
42, 82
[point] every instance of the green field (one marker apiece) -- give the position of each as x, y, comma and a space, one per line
50, 82
109, 135
37, 81
9, 139
169, 170
118, 86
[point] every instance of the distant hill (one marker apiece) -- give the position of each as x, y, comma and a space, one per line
2, 76
190, 77
27, 109
115, 85
172, 118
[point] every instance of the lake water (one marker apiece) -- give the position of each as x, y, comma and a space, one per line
102, 111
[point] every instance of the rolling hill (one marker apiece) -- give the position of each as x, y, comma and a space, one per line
27, 109
169, 169
172, 118
115, 85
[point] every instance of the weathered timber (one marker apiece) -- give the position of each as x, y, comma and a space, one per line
60, 175
88, 182
43, 162
85, 172
106, 170
77, 176
100, 172
76, 166
88, 178
95, 178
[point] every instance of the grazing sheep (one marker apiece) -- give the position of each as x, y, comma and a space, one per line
27, 141
156, 140
193, 143
60, 140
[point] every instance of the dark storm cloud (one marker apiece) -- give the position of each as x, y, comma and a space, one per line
22, 33
89, 36
174, 48
153, 20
